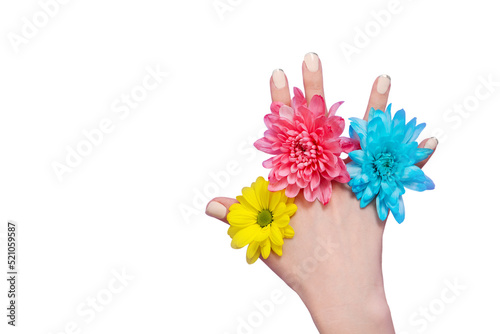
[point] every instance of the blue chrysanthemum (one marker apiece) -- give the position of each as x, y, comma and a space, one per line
385, 164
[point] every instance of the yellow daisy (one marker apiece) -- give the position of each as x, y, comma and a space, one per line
260, 220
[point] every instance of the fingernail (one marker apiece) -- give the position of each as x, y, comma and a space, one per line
279, 78
312, 61
431, 143
383, 83
216, 210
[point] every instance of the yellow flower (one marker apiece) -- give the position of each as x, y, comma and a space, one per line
260, 220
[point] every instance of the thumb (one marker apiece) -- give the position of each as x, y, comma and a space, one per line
219, 207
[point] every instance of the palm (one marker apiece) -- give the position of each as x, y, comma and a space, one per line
336, 236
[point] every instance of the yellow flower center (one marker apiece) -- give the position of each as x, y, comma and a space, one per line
264, 218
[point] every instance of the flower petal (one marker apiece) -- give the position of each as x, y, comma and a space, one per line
368, 196
333, 108
428, 184
241, 219
382, 208
245, 236
348, 144
286, 112
324, 191
275, 107
275, 235
288, 232
376, 128
298, 98
418, 129
409, 130
266, 248
422, 154
281, 220
253, 247
251, 198
277, 249
280, 208
336, 124
268, 163
277, 185
412, 174
398, 125
262, 193
274, 199
398, 210
246, 205
263, 234
264, 145
357, 156
232, 230
359, 126
290, 210
309, 194
353, 168
292, 190
317, 105
254, 257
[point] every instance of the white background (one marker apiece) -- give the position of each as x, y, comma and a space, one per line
136, 202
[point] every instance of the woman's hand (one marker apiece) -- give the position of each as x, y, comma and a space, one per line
334, 261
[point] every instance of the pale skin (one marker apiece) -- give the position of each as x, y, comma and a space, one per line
334, 261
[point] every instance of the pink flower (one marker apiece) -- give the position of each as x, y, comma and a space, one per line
306, 145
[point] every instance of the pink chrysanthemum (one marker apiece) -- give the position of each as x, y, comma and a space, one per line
306, 145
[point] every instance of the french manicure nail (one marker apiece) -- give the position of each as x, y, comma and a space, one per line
383, 83
216, 210
312, 61
431, 143
279, 78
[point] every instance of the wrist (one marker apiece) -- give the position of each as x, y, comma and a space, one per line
349, 310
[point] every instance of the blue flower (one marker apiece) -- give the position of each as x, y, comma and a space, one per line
385, 164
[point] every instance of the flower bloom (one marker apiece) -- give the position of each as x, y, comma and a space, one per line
306, 147
385, 164
260, 220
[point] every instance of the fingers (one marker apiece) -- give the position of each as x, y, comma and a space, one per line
428, 143
379, 94
280, 92
312, 73
378, 100
219, 207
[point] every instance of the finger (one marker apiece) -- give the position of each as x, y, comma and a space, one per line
428, 143
379, 94
280, 92
312, 74
219, 207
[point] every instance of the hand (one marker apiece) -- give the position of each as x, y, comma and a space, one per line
334, 261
